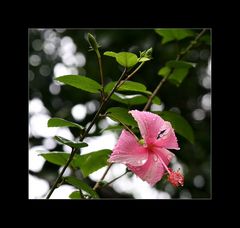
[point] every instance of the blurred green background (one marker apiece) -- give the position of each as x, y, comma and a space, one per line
55, 52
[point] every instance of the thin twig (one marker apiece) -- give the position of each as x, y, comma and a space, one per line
103, 176
114, 179
130, 75
55, 185
101, 75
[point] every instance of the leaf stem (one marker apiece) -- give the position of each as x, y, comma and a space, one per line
179, 56
101, 74
115, 179
61, 174
103, 176
130, 75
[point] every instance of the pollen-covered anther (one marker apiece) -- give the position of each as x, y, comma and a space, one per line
175, 178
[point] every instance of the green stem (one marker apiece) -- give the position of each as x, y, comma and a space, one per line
103, 176
114, 179
130, 75
179, 56
101, 74
85, 134
55, 185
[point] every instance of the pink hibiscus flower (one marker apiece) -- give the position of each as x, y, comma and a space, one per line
148, 160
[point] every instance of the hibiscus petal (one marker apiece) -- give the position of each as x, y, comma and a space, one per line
168, 139
149, 124
152, 171
129, 151
164, 154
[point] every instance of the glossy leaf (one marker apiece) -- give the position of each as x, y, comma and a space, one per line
181, 126
70, 143
126, 59
174, 34
75, 195
127, 86
80, 82
121, 115
110, 53
81, 185
93, 161
60, 158
58, 122
129, 100
133, 99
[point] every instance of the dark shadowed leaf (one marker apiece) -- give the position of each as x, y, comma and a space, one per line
93, 161
121, 115
81, 185
181, 126
178, 70
174, 34
58, 122
70, 143
80, 82
180, 64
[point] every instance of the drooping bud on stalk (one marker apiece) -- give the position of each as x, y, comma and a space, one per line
93, 44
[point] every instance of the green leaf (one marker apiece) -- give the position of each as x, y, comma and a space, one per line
81, 185
180, 64
129, 100
70, 143
126, 59
179, 69
178, 76
174, 34
121, 115
80, 82
156, 100
93, 161
181, 126
110, 53
114, 128
58, 122
60, 158
127, 86
164, 71
206, 39
143, 59
75, 195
